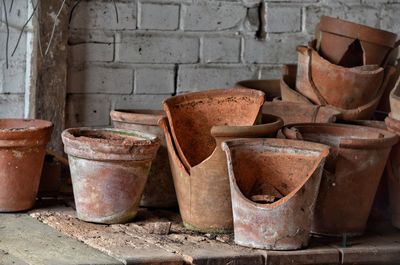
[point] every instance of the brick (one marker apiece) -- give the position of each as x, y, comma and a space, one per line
20, 52
276, 49
390, 18
18, 15
282, 18
157, 48
252, 21
159, 16
363, 14
88, 110
100, 79
313, 13
12, 106
139, 102
202, 77
90, 14
213, 16
221, 49
12, 80
91, 52
155, 80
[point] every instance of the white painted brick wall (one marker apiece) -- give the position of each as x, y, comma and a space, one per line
160, 48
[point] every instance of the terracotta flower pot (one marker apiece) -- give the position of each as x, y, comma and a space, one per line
192, 115
292, 112
203, 191
349, 44
271, 88
324, 83
351, 175
360, 113
393, 173
22, 149
159, 191
274, 185
109, 169
394, 100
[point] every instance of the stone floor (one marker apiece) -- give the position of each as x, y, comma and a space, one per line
51, 234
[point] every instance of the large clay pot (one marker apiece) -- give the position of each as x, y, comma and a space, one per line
274, 185
364, 112
109, 169
22, 149
393, 173
159, 191
203, 191
192, 115
292, 112
338, 39
324, 83
351, 175
271, 88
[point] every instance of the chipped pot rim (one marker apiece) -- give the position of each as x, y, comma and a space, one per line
137, 116
377, 138
354, 30
327, 109
321, 152
109, 144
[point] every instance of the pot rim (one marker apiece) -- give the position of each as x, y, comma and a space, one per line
27, 126
140, 146
137, 116
321, 149
242, 131
388, 140
392, 124
353, 30
327, 108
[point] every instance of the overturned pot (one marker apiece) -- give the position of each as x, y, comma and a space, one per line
350, 44
203, 191
109, 170
271, 88
159, 191
274, 185
22, 150
351, 174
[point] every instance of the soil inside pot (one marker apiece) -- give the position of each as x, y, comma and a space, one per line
110, 137
22, 125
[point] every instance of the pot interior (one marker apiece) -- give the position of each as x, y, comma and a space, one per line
271, 88
110, 136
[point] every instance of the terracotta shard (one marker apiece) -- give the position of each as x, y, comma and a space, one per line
271, 88
351, 174
109, 169
159, 191
350, 44
22, 150
294, 169
203, 193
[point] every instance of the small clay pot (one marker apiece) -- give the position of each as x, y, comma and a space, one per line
292, 112
324, 83
271, 88
109, 169
349, 44
192, 115
393, 173
351, 174
203, 191
22, 149
274, 185
159, 191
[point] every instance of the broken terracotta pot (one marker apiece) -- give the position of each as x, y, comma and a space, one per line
292, 112
192, 115
394, 100
364, 112
274, 185
350, 44
22, 149
159, 191
393, 173
324, 83
271, 88
351, 174
203, 190
109, 169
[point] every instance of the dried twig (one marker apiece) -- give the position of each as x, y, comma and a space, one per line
23, 27
54, 28
11, 6
116, 11
8, 31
